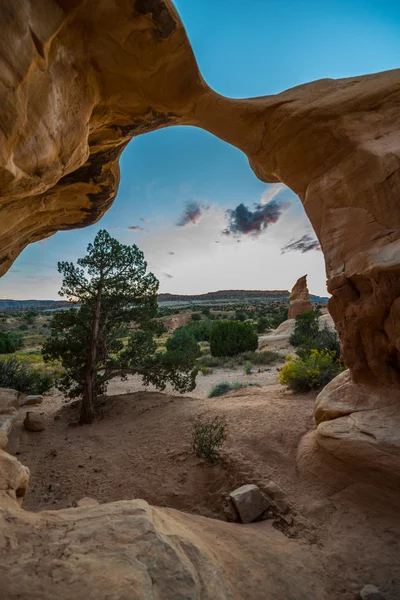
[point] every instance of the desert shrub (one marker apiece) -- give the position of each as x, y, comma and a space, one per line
240, 315
277, 316
307, 336
266, 357
221, 388
196, 317
208, 436
183, 341
263, 325
229, 338
10, 342
205, 370
24, 378
311, 372
247, 367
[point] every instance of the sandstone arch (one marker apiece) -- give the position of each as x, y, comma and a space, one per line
79, 79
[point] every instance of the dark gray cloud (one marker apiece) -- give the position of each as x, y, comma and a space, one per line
243, 221
191, 214
168, 275
304, 244
144, 220
135, 228
171, 253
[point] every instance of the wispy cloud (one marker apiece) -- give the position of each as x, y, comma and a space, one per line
304, 244
135, 228
243, 221
168, 275
171, 253
114, 227
271, 192
191, 214
144, 220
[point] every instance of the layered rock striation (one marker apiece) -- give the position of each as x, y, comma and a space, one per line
299, 300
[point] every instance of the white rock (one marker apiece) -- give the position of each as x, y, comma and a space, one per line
86, 501
31, 400
250, 502
370, 592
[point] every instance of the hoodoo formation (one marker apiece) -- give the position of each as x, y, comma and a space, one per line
299, 300
78, 80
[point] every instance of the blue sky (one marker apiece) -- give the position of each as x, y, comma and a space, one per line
244, 49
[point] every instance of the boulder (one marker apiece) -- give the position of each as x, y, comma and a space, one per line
370, 592
14, 479
6, 421
34, 422
299, 300
249, 502
8, 399
32, 400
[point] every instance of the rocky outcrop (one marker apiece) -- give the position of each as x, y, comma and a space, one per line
131, 550
299, 300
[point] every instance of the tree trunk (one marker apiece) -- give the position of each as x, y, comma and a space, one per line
89, 389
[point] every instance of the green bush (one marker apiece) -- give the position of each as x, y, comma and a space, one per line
263, 325
183, 341
307, 336
196, 317
230, 338
22, 377
10, 342
247, 367
205, 370
311, 372
208, 436
220, 389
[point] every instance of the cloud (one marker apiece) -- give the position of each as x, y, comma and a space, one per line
168, 275
144, 220
242, 220
304, 244
191, 214
171, 253
271, 192
115, 227
135, 228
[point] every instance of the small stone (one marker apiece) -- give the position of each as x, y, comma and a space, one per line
86, 501
249, 502
34, 422
32, 399
370, 592
273, 490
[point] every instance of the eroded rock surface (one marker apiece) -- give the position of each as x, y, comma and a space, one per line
299, 300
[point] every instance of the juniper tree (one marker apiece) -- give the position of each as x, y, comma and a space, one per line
112, 332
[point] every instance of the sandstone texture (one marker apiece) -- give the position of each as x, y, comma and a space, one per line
299, 300
131, 551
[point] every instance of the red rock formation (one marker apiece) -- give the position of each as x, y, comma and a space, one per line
79, 79
299, 300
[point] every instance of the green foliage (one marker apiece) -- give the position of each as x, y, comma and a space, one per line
311, 372
200, 329
24, 378
10, 342
240, 316
247, 368
196, 317
182, 341
221, 388
206, 371
266, 357
208, 436
263, 325
307, 336
118, 299
277, 315
229, 338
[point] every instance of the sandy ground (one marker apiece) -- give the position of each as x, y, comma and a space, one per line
139, 447
204, 383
